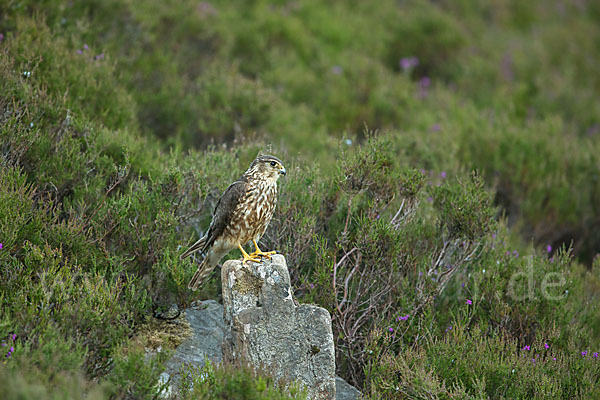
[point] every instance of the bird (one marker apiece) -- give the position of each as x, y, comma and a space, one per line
241, 215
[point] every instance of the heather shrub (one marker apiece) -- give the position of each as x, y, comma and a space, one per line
72, 289
85, 84
536, 72
451, 247
135, 375
425, 41
529, 177
467, 362
501, 328
46, 291
386, 254
32, 383
234, 382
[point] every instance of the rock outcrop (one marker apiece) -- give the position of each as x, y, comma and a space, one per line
292, 341
206, 324
345, 391
267, 329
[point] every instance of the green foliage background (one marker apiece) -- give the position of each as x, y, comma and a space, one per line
435, 149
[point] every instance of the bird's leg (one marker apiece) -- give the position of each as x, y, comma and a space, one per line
259, 253
248, 257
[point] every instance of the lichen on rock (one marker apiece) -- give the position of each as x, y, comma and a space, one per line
266, 329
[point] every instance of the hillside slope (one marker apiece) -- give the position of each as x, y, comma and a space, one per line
122, 122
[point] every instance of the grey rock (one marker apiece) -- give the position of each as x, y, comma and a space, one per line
208, 328
167, 390
266, 328
345, 391
206, 322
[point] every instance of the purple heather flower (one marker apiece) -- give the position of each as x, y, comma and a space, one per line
99, 57
449, 328
515, 253
462, 284
508, 252
595, 354
533, 360
469, 302
527, 347
1, 37
391, 329
13, 336
79, 51
548, 248
435, 127
207, 9
312, 286
337, 70
430, 199
12, 349
85, 47
408, 62
1, 246
554, 358
425, 82
584, 353
546, 346
443, 174
3, 344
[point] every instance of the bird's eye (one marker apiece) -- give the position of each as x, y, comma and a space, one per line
273, 163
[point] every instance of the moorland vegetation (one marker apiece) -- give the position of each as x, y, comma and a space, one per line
442, 199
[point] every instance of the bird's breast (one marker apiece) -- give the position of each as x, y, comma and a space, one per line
254, 212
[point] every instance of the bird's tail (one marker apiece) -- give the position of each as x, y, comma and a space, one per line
203, 271
195, 247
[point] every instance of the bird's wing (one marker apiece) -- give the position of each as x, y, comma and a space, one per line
221, 217
224, 210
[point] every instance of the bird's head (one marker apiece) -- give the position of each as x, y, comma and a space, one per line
267, 167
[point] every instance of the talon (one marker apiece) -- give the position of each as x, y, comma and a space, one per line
248, 257
259, 253
267, 254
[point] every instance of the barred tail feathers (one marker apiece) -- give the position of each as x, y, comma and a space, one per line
203, 271
195, 247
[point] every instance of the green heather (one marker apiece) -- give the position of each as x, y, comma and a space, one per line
442, 200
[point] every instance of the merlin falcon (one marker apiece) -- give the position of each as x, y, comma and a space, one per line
242, 215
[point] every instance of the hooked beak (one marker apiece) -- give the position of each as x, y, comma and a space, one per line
282, 171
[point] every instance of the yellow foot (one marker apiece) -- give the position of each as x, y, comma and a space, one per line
248, 257
259, 253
